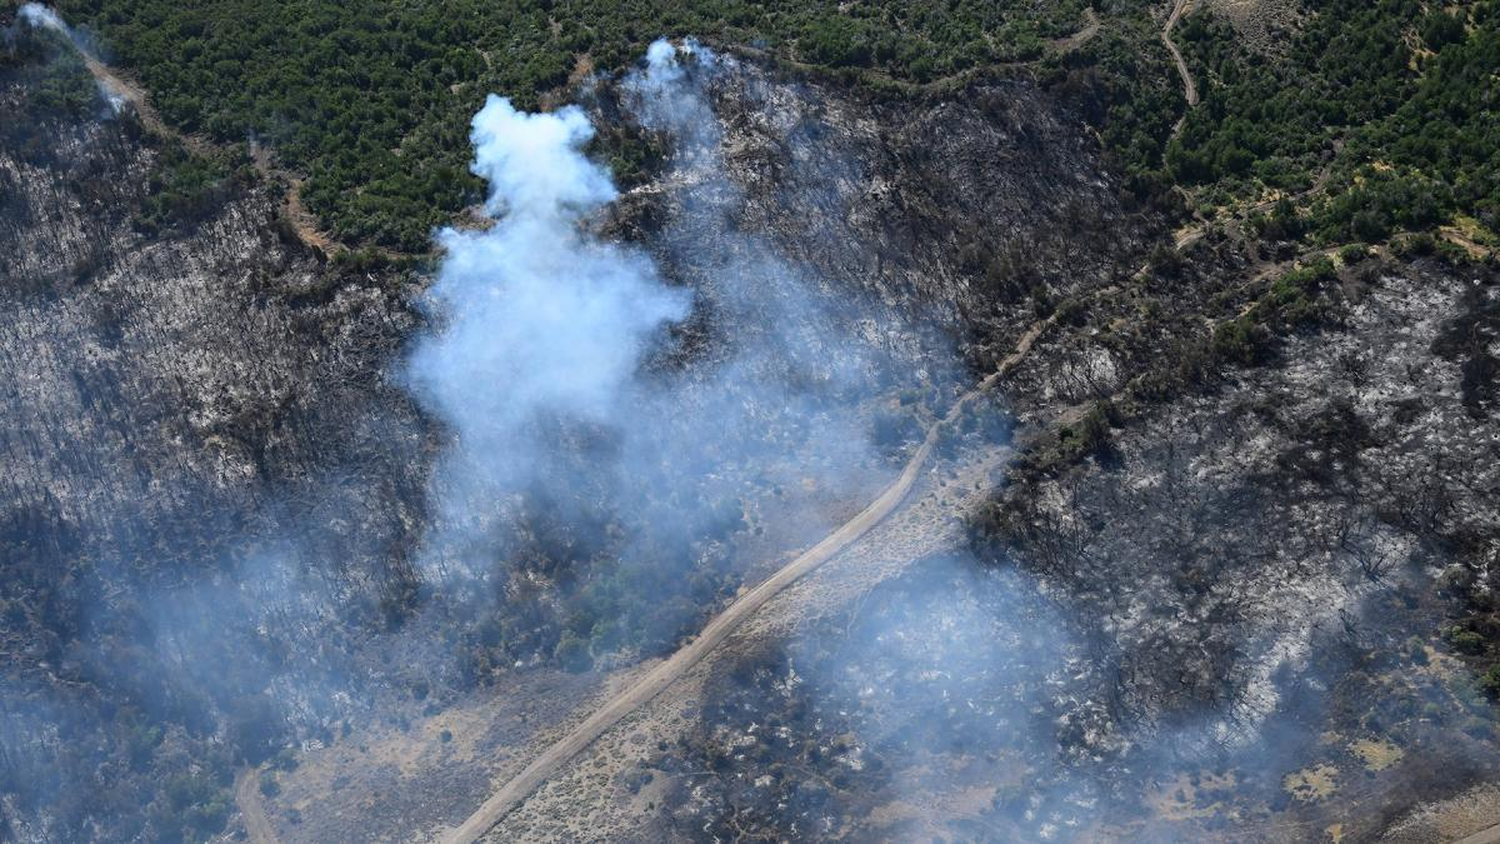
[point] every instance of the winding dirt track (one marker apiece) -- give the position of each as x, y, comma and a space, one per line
1091, 25
522, 785
1189, 89
303, 222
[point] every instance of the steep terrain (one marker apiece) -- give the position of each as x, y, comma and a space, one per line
242, 478
968, 501
855, 190
171, 426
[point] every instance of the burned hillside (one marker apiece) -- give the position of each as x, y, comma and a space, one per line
762, 453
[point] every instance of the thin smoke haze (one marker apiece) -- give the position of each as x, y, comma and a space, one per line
42, 17
39, 16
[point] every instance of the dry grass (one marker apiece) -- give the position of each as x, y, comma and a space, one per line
1265, 25
1311, 784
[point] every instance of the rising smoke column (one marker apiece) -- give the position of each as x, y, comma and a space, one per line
42, 17
550, 368
543, 320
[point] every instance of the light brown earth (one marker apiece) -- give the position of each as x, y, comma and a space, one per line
1470, 818
247, 797
1081, 37
1488, 836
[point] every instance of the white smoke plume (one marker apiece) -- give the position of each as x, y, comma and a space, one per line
666, 99
42, 17
543, 319
636, 426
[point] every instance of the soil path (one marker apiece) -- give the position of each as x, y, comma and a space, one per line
522, 785
247, 797
1485, 836
127, 90
1189, 89
122, 90
1082, 36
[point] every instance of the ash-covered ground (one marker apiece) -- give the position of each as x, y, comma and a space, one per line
1216, 560
1233, 621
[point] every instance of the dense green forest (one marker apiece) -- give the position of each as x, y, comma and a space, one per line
1396, 102
371, 98
1393, 101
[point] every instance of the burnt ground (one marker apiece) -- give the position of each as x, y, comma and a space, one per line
198, 439
1221, 583
1230, 617
1232, 620
877, 206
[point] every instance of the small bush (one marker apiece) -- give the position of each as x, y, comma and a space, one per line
572, 652
1072, 312
1417, 245
1240, 341
1489, 681
1465, 641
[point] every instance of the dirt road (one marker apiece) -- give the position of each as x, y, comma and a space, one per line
1487, 836
1081, 37
1189, 89
522, 785
247, 797
126, 90
122, 89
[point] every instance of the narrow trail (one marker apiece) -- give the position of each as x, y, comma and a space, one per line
118, 86
1061, 46
131, 92
247, 797
1072, 42
1189, 89
514, 792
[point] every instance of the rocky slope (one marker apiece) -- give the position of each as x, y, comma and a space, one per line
1242, 559
175, 403
1175, 582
